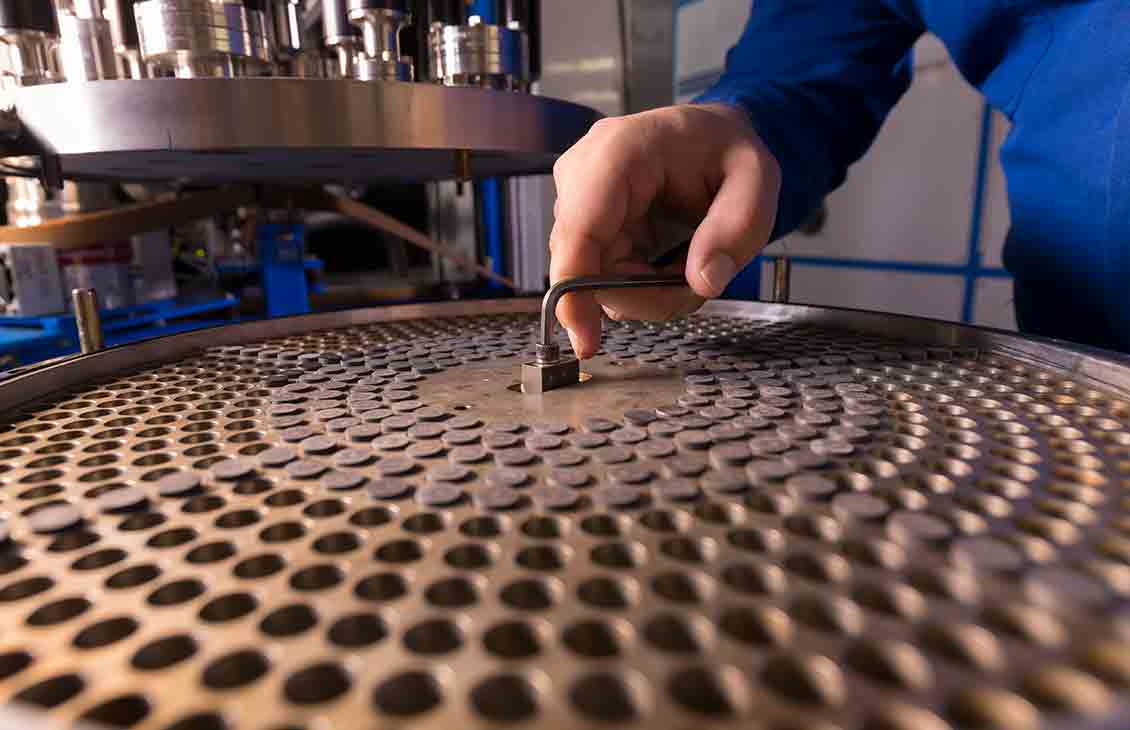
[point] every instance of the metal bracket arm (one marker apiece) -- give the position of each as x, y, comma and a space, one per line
549, 370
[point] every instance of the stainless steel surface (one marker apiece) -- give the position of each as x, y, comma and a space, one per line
782, 277
87, 47
28, 58
547, 327
203, 38
479, 54
759, 516
88, 320
297, 130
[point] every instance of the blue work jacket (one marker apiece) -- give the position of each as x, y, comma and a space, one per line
818, 78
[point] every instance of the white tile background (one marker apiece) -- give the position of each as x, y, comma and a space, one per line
909, 200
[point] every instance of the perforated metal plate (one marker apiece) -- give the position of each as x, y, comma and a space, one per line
737, 521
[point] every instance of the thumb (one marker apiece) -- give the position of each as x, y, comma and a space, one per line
738, 223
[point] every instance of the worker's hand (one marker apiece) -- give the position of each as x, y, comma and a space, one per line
701, 164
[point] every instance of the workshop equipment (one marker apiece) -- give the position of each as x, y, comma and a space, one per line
761, 515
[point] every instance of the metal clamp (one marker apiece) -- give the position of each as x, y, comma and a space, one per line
549, 370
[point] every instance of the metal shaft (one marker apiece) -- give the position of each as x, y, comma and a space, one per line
88, 320
782, 273
547, 350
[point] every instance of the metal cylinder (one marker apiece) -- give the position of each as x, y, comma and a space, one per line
123, 32
192, 38
479, 54
285, 27
380, 22
86, 47
782, 275
29, 43
33, 15
88, 320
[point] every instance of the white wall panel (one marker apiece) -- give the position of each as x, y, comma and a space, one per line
910, 198
995, 219
993, 304
923, 295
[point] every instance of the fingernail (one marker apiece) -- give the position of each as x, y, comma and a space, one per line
718, 273
573, 342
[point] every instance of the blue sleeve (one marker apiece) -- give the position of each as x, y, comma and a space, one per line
817, 78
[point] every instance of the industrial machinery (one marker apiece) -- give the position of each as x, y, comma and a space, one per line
759, 516
431, 515
122, 109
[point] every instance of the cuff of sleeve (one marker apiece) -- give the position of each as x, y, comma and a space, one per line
795, 200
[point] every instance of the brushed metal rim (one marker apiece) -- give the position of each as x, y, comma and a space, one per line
1102, 368
135, 122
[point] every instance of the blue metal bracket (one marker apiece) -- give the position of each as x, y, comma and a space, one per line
282, 252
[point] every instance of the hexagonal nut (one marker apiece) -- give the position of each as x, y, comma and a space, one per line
541, 377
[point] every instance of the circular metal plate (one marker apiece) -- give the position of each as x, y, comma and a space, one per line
750, 517
305, 130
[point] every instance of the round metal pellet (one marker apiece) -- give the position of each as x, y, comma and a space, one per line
288, 422
677, 489
363, 433
664, 429
340, 425
768, 445
805, 459
673, 410
613, 455
395, 466
684, 466
305, 469
449, 473
556, 428
504, 427
640, 416
727, 481
515, 457
907, 526
599, 425
695, 423
618, 495
589, 440
392, 442
797, 432
176, 484
464, 422
812, 418
230, 469
439, 495
693, 440
54, 518
352, 457
397, 423
120, 499
468, 454
847, 433
374, 415
330, 414
727, 432
543, 442
496, 441
631, 474
342, 480
771, 470
388, 488
297, 433
811, 486
831, 447
628, 435
505, 477
318, 445
730, 454
564, 458
276, 456
568, 477
426, 449
655, 449
495, 498
460, 438
555, 497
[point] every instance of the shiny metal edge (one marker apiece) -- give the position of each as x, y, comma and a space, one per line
1098, 368
218, 115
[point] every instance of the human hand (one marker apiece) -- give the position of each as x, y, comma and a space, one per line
701, 164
